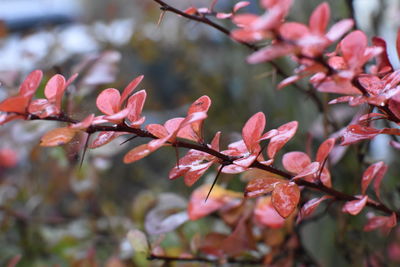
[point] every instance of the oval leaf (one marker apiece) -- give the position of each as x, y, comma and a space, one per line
58, 136
285, 198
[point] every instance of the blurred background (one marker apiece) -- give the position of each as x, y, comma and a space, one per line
54, 213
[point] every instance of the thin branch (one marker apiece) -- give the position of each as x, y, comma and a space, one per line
224, 159
200, 259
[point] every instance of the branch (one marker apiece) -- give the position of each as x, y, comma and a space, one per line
223, 159
199, 259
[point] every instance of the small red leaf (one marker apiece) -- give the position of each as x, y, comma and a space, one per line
215, 141
17, 104
355, 133
355, 206
218, 198
324, 149
58, 136
285, 198
286, 132
31, 83
370, 173
266, 215
253, 130
308, 170
54, 90
240, 5
295, 161
319, 19
103, 138
260, 186
309, 207
135, 105
108, 101
130, 88
339, 29
137, 153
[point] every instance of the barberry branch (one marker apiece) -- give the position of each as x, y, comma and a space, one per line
223, 159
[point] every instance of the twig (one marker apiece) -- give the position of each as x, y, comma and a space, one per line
224, 159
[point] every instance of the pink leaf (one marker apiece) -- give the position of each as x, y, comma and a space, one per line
261, 186
157, 130
103, 138
324, 149
353, 47
135, 105
130, 88
310, 169
266, 215
295, 162
215, 141
355, 133
54, 90
270, 52
253, 130
310, 206
285, 198
339, 29
355, 206
31, 83
285, 133
137, 153
370, 173
108, 101
240, 5
319, 19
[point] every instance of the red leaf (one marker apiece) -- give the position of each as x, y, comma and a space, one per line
270, 52
83, 124
130, 88
103, 138
157, 130
135, 105
286, 132
261, 186
324, 149
30, 84
285, 198
266, 215
295, 162
195, 173
218, 198
54, 90
108, 101
308, 170
200, 105
355, 133
58, 136
215, 141
355, 206
137, 153
319, 19
383, 222
353, 47
310, 206
17, 104
370, 173
339, 29
240, 5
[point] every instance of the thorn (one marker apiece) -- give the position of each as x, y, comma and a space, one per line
129, 139
214, 182
84, 151
161, 18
